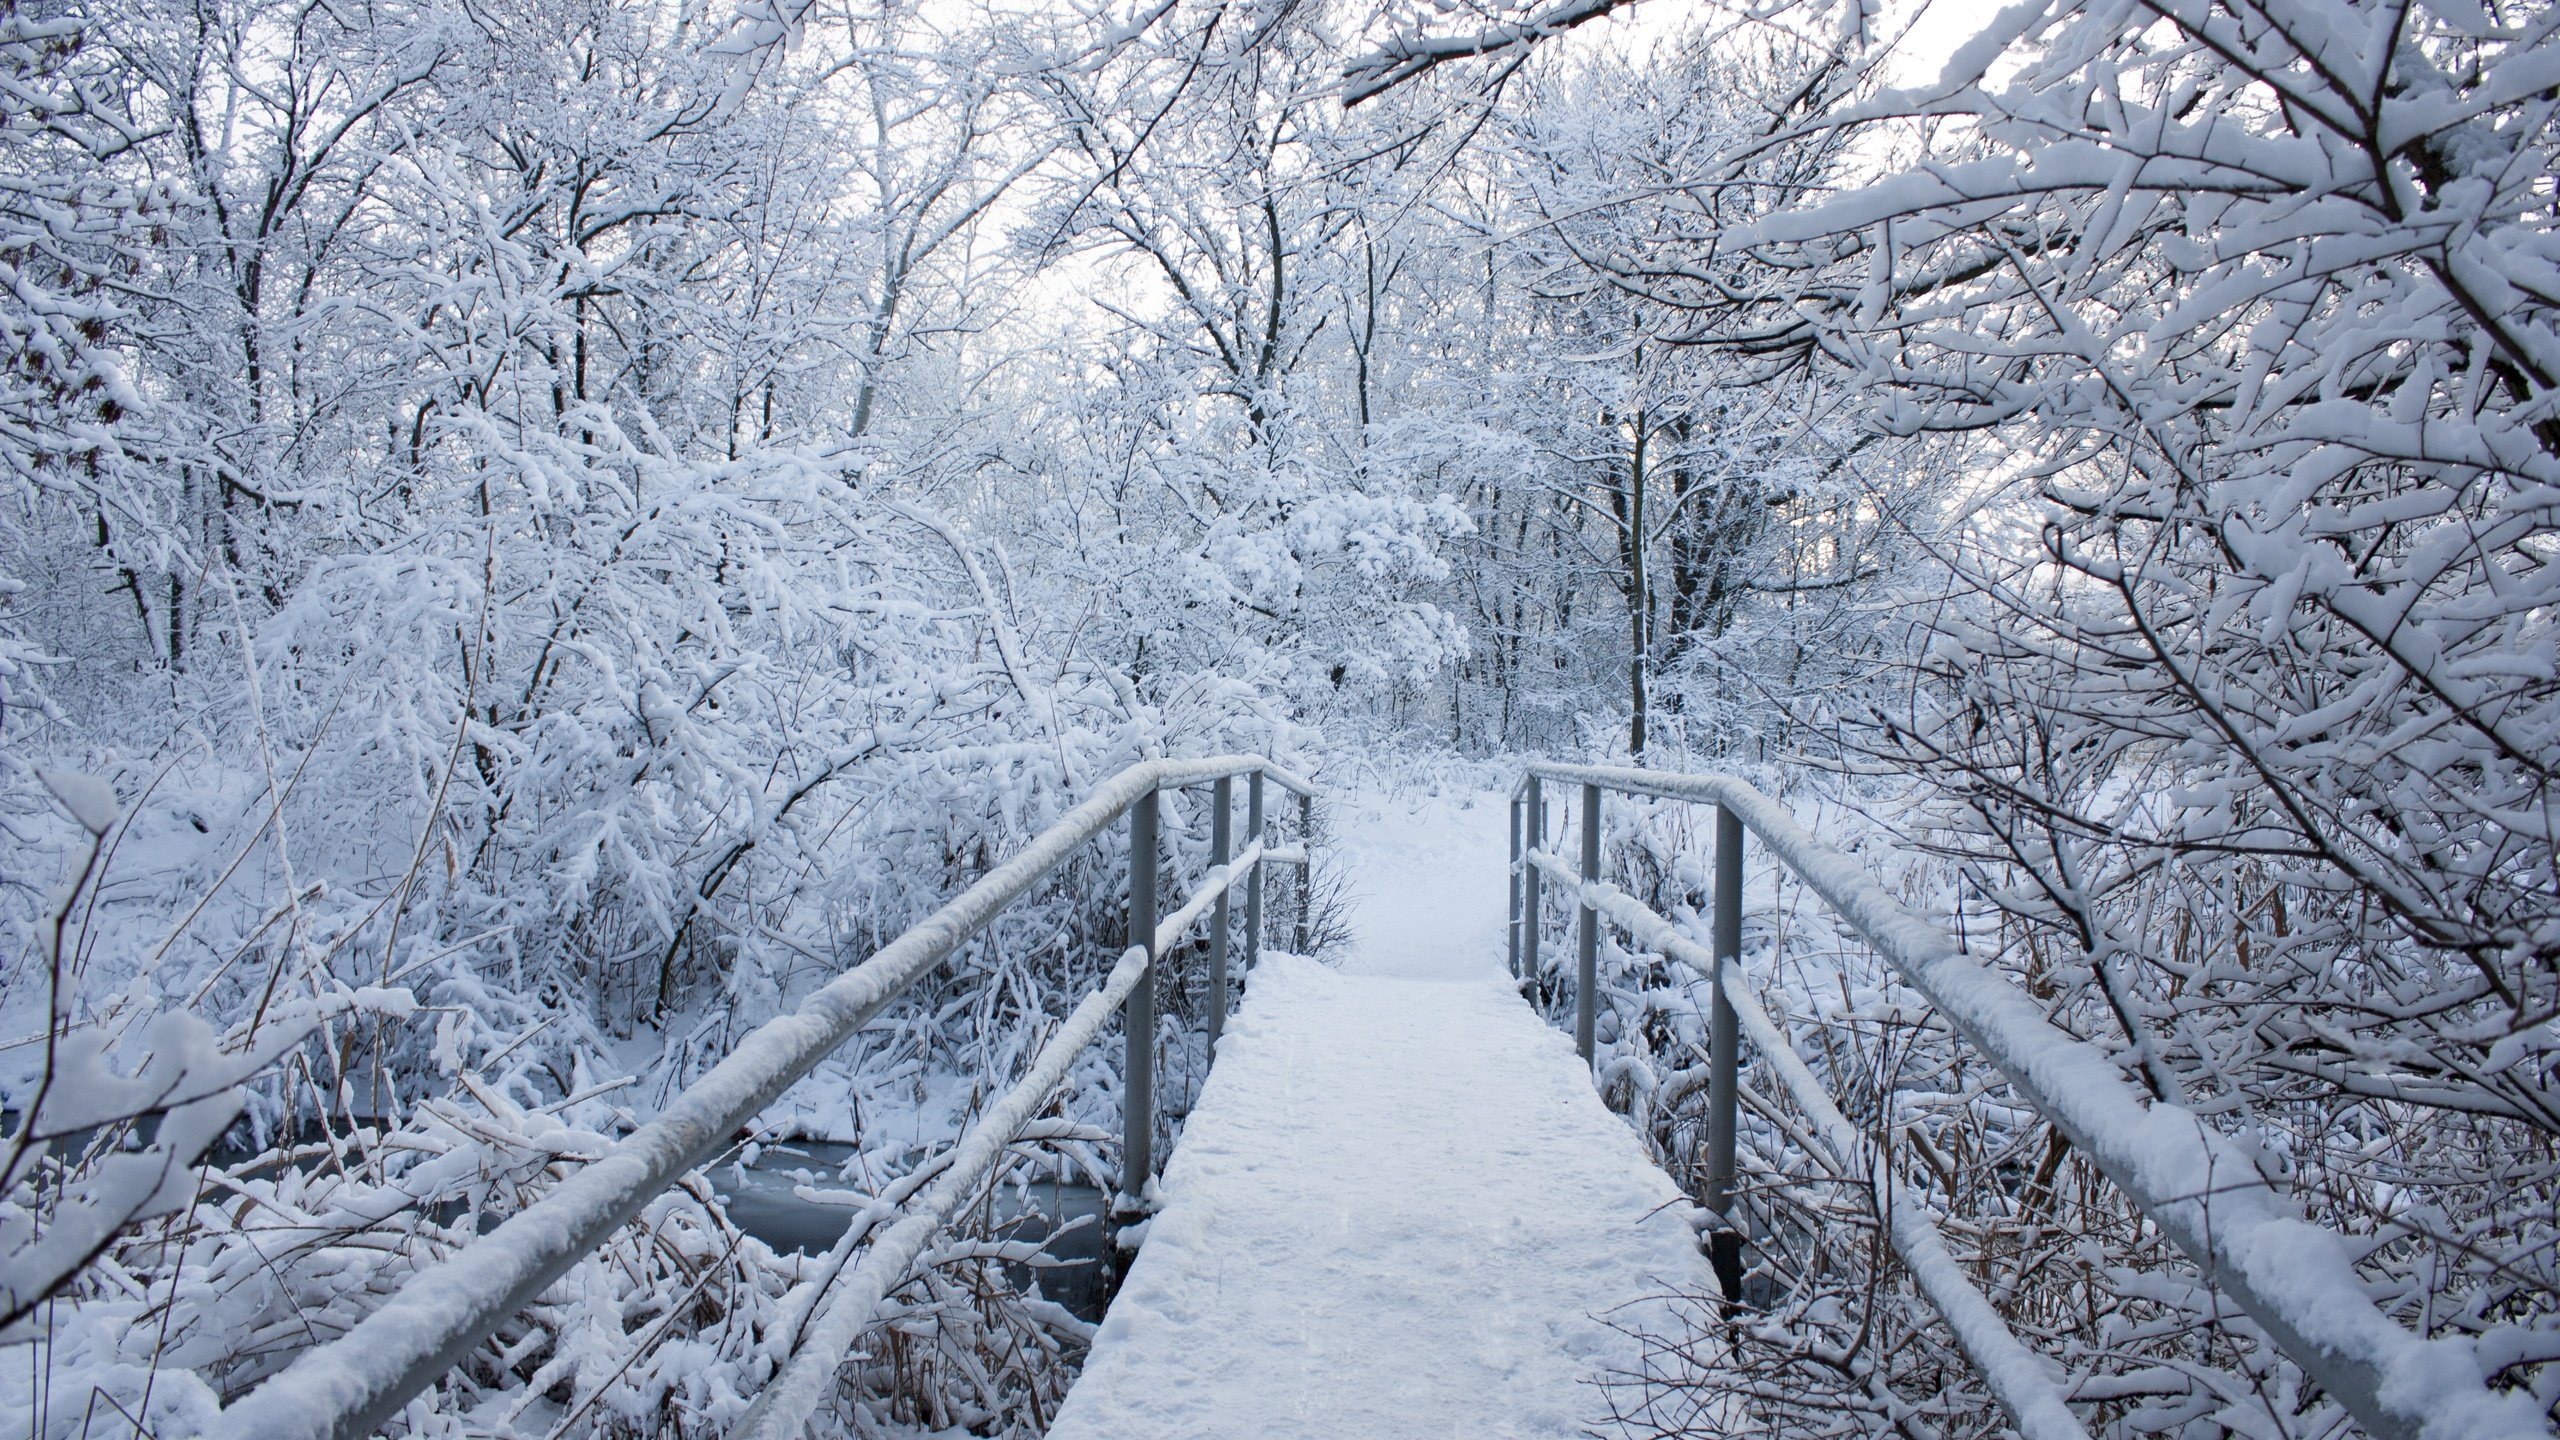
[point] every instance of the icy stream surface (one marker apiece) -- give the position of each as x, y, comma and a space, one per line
1399, 1208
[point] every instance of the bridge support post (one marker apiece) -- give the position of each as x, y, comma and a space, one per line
1529, 877
1306, 868
1724, 1247
1586, 999
1253, 882
1222, 805
1138, 1018
1511, 891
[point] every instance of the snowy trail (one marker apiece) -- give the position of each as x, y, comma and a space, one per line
1425, 879
1398, 1209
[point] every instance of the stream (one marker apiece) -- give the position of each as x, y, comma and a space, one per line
760, 1202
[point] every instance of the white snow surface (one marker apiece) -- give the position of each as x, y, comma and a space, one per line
1399, 1208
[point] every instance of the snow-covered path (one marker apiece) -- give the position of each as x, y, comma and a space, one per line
1398, 1209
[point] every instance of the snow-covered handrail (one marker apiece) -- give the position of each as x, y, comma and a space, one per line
2297, 1280
350, 1386
782, 1409
1288, 780
2007, 1365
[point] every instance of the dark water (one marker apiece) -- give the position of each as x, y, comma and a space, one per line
1065, 1217
761, 1203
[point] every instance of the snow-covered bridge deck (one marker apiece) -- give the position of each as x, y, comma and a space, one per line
1399, 1208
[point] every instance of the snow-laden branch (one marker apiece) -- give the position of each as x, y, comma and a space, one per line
1408, 56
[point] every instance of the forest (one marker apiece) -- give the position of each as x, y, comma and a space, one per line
533, 533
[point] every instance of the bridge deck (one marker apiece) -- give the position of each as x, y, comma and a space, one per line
1398, 1209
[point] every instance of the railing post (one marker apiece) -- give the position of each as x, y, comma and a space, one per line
1222, 804
1511, 890
1587, 946
1529, 881
1724, 1247
1138, 1019
1306, 867
1253, 882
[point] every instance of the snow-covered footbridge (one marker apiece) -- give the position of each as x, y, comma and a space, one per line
1399, 1207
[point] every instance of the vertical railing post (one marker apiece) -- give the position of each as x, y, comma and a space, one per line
1587, 945
1138, 1087
1222, 805
1724, 1247
1306, 867
1511, 890
1530, 879
1253, 882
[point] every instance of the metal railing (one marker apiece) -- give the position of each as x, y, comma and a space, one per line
350, 1386
2296, 1280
